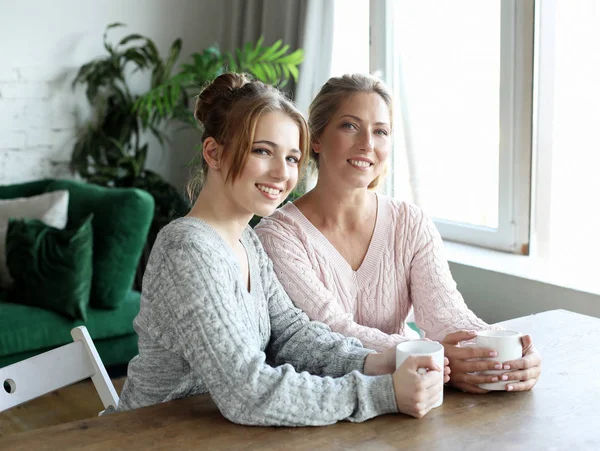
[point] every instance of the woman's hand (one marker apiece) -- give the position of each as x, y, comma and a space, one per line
527, 370
416, 392
463, 360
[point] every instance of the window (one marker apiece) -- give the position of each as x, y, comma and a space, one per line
447, 85
461, 73
497, 116
350, 52
567, 213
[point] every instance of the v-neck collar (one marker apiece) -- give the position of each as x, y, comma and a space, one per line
374, 251
245, 240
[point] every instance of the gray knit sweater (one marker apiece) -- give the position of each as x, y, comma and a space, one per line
260, 358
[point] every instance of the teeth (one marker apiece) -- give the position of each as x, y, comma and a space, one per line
268, 190
360, 164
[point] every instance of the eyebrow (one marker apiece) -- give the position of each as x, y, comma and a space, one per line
272, 144
356, 118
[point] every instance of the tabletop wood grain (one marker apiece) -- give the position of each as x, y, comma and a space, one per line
561, 412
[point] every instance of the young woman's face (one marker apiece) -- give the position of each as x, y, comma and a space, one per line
356, 142
271, 170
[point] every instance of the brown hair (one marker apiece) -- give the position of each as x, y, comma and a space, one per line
228, 110
329, 98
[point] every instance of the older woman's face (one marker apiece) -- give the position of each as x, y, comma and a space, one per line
356, 142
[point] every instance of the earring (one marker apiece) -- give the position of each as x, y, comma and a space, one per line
216, 165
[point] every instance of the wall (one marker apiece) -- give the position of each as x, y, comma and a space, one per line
42, 45
497, 297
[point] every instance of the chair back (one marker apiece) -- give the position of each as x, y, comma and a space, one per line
47, 372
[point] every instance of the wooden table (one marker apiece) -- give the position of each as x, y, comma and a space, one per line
562, 412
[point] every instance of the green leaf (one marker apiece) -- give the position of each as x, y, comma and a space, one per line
135, 56
174, 52
258, 45
115, 25
159, 104
294, 71
175, 91
293, 58
259, 73
267, 55
280, 52
131, 37
270, 73
105, 36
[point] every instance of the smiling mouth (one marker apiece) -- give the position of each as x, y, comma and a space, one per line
360, 163
269, 190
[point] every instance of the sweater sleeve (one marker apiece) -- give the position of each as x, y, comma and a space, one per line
308, 345
200, 312
308, 292
438, 305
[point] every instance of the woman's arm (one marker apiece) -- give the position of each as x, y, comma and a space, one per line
438, 305
307, 291
309, 345
297, 338
199, 311
441, 311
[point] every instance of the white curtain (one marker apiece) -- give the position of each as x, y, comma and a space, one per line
318, 48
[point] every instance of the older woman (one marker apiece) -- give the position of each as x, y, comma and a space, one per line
360, 261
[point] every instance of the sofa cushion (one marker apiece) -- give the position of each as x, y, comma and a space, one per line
51, 208
122, 217
52, 268
24, 328
26, 189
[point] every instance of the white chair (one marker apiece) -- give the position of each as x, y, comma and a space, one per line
44, 373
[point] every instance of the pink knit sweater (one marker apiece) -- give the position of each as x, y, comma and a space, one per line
404, 267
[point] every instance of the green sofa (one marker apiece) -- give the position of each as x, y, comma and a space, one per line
121, 215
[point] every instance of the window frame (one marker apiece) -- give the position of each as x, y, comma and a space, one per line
516, 123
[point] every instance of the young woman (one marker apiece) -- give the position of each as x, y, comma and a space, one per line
360, 261
213, 316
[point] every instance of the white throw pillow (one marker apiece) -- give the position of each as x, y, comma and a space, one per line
50, 208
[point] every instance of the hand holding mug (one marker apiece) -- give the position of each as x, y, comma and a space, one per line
420, 376
526, 370
418, 391
467, 364
500, 360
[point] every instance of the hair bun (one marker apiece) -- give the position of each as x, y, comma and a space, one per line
221, 88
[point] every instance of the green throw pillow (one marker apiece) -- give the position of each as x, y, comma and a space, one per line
122, 217
52, 268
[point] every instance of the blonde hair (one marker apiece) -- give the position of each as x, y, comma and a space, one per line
228, 110
329, 98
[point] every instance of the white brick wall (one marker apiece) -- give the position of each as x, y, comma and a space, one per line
37, 130
42, 45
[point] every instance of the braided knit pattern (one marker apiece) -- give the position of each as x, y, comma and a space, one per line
404, 268
261, 359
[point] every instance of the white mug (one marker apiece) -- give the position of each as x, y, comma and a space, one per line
422, 348
507, 343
